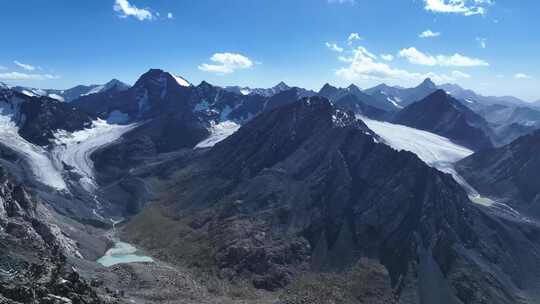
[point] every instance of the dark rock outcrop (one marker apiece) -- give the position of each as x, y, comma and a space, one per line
33, 265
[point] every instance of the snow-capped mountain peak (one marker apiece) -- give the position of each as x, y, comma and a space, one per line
161, 76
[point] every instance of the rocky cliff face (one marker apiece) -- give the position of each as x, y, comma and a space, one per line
305, 188
33, 265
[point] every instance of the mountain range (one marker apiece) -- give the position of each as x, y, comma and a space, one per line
75, 92
170, 192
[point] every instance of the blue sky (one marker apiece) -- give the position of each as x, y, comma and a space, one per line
490, 46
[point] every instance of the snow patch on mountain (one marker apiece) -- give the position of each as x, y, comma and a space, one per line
218, 132
94, 90
57, 97
181, 81
394, 101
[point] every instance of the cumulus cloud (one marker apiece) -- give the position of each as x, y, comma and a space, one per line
463, 7
415, 56
364, 65
334, 47
125, 9
226, 63
387, 57
353, 37
25, 76
24, 66
522, 76
170, 15
429, 34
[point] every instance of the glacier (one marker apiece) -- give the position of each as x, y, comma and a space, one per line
218, 132
437, 151
74, 149
41, 166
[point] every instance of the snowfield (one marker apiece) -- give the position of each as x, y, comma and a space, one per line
218, 133
74, 149
436, 151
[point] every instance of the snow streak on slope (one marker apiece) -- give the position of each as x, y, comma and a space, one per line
218, 133
437, 151
41, 166
74, 149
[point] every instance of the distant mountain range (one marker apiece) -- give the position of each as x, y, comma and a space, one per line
280, 87
75, 92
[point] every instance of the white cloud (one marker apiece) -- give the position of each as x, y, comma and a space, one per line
334, 47
482, 42
364, 65
463, 7
170, 15
522, 76
459, 74
353, 37
125, 9
24, 76
429, 34
24, 66
387, 57
415, 56
226, 63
